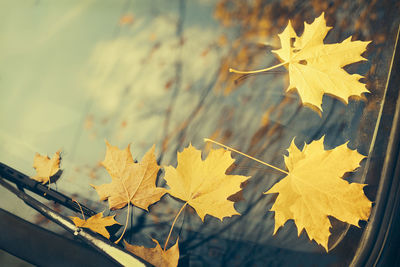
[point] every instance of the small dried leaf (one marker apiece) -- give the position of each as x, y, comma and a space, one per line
46, 167
156, 256
96, 223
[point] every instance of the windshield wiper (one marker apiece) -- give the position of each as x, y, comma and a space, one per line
115, 253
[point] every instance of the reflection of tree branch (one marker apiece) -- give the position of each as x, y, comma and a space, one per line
211, 236
190, 118
320, 129
178, 69
140, 222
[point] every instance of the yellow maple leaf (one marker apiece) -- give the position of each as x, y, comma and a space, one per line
96, 223
46, 167
156, 256
316, 68
131, 182
314, 190
204, 184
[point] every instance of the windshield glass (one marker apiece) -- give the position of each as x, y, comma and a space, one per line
157, 72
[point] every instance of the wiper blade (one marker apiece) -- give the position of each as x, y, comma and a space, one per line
23, 181
115, 253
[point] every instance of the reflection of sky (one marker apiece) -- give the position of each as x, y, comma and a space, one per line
45, 51
72, 75
65, 61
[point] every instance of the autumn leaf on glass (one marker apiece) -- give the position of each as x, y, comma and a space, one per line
132, 183
314, 189
46, 167
156, 256
97, 223
316, 68
204, 184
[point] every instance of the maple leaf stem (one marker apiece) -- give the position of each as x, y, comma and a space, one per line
126, 224
173, 223
83, 215
258, 71
248, 156
127, 214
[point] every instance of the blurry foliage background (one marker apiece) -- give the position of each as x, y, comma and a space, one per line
73, 73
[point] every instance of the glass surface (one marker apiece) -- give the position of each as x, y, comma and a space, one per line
74, 73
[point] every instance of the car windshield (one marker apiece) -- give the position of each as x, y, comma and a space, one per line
157, 72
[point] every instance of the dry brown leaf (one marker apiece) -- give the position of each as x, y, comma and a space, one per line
157, 256
314, 189
131, 182
203, 184
46, 167
96, 223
